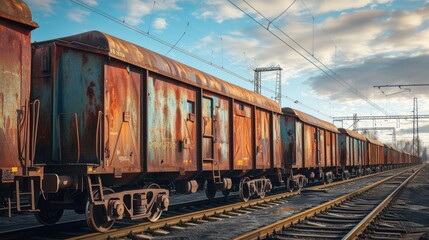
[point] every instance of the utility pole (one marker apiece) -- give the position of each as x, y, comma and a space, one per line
417, 126
355, 122
258, 79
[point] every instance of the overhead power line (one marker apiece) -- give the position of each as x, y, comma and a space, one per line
402, 85
378, 117
173, 46
327, 72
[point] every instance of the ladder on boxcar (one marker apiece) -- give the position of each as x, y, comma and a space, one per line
26, 183
95, 186
215, 171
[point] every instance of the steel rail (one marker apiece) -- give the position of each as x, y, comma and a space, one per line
332, 184
279, 225
362, 225
20, 233
206, 213
179, 219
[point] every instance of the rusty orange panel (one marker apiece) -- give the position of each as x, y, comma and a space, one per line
263, 139
15, 61
122, 117
139, 56
328, 149
335, 150
171, 126
221, 130
243, 146
278, 144
309, 146
322, 147
376, 152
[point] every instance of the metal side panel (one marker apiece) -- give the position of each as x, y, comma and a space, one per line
243, 144
172, 126
263, 139
122, 117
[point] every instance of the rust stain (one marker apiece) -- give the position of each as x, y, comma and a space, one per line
18, 11
310, 119
90, 93
139, 56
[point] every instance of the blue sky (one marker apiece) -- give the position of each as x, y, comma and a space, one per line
362, 43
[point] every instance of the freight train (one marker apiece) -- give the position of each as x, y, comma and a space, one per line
107, 128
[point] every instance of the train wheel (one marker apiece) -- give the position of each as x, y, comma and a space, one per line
210, 189
155, 212
96, 215
46, 214
244, 189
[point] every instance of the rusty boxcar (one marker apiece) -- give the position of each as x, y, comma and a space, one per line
119, 115
123, 125
310, 147
353, 153
375, 155
19, 176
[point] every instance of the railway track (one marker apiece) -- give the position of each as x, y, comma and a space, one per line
178, 217
345, 217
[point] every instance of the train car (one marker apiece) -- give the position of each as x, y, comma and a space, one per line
353, 149
391, 156
121, 121
20, 178
375, 155
310, 148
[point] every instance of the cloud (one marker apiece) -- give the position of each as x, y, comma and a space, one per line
77, 15
218, 10
375, 71
160, 23
45, 6
137, 9
422, 129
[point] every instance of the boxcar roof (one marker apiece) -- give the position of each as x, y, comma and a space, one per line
352, 134
17, 11
144, 58
310, 119
389, 146
373, 141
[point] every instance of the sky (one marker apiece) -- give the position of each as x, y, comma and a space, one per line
332, 52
